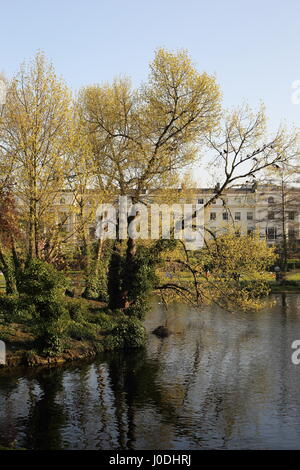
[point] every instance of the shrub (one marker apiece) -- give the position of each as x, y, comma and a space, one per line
42, 282
6, 333
130, 332
138, 280
14, 309
42, 287
102, 319
77, 308
82, 331
9, 305
96, 288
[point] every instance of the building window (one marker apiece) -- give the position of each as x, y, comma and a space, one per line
213, 216
250, 230
291, 215
237, 216
200, 201
225, 215
62, 200
291, 233
249, 215
270, 200
237, 200
271, 233
271, 216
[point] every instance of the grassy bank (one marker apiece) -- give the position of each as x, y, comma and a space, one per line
285, 288
86, 329
291, 284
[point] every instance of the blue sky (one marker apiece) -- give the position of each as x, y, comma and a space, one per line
253, 46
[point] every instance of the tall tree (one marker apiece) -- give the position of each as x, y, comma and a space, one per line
141, 138
34, 129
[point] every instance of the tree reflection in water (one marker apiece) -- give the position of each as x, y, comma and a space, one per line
219, 381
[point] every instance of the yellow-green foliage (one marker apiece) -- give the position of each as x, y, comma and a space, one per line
230, 271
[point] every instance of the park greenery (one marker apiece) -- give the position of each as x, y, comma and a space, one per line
113, 140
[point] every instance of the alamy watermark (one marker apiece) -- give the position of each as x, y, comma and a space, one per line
153, 221
2, 353
296, 354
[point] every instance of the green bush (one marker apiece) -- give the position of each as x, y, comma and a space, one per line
96, 288
42, 282
14, 309
105, 321
6, 333
42, 289
138, 279
82, 331
78, 309
49, 343
129, 332
54, 318
9, 305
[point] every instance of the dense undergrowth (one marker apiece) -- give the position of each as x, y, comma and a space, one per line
42, 319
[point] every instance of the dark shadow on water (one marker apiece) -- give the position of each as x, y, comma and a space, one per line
218, 381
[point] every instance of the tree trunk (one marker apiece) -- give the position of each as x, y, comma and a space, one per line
98, 255
121, 274
7, 267
115, 277
33, 222
32, 246
129, 271
284, 239
92, 272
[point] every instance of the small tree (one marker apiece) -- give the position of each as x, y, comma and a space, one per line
237, 272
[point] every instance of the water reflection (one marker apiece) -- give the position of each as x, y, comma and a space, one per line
219, 381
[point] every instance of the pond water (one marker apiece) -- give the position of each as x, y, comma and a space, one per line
220, 381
